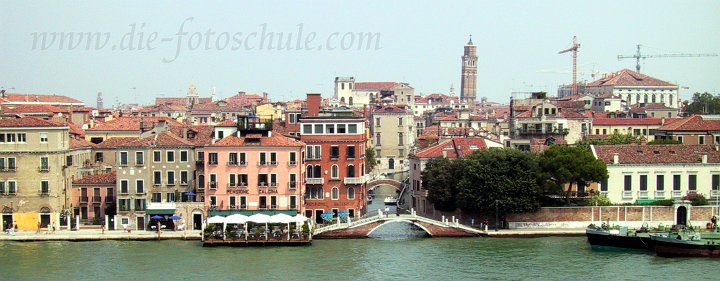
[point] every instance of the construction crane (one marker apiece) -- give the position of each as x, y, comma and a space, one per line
637, 56
574, 48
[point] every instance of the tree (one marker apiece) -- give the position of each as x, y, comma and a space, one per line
614, 139
506, 176
439, 178
571, 165
704, 103
370, 161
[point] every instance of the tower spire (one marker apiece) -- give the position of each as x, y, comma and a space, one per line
470, 41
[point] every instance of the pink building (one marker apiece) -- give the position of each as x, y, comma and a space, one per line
254, 170
93, 197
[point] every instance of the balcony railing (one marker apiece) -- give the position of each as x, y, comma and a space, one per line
44, 192
292, 163
262, 163
124, 208
292, 185
109, 199
676, 194
83, 199
44, 169
660, 194
314, 180
714, 194
212, 185
232, 163
273, 184
354, 180
627, 194
643, 194
262, 184
7, 169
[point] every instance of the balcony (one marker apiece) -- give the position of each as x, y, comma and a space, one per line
643, 194
627, 194
273, 163
676, 194
199, 162
242, 163
714, 194
262, 184
292, 185
44, 193
97, 199
262, 163
232, 163
44, 169
7, 169
659, 194
83, 199
212, 185
314, 181
354, 180
292, 163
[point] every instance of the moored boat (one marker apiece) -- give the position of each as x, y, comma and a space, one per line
619, 237
390, 201
687, 244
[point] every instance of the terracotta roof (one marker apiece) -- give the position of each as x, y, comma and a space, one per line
76, 129
179, 101
454, 148
627, 77
649, 106
104, 178
38, 98
244, 99
28, 121
275, 140
163, 139
80, 143
131, 123
656, 154
432, 131
226, 123
35, 108
693, 123
374, 86
570, 104
630, 121
115, 142
392, 109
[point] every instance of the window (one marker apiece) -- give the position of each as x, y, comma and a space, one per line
156, 197
377, 121
171, 177
221, 134
643, 182
233, 204
273, 158
350, 152
243, 158
12, 187
701, 139
273, 202
603, 185
243, 202
139, 158
124, 186
263, 158
156, 156
334, 173
213, 202
98, 156
139, 186
21, 137
43, 137
170, 155
715, 182
350, 171
124, 206
293, 202
335, 193
400, 121
123, 158
170, 196
351, 193
183, 177
660, 182
312, 152
400, 139
692, 182
318, 128
200, 156
680, 138
273, 180
212, 158
676, 182
140, 205
262, 179
293, 158
334, 152
183, 156
213, 181
329, 128
341, 129
377, 138
291, 118
628, 183
307, 129
293, 181
232, 158
263, 202
44, 187
157, 178
352, 128
2, 187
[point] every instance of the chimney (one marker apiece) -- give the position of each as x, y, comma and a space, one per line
616, 158
184, 133
313, 104
444, 153
703, 158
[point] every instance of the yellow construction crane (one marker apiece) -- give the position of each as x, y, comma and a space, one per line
637, 56
574, 48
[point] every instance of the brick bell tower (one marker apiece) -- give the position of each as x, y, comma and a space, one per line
469, 74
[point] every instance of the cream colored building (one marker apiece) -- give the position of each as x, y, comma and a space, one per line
392, 136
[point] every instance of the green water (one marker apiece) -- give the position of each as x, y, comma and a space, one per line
394, 254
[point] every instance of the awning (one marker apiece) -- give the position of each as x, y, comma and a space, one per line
160, 212
646, 201
248, 213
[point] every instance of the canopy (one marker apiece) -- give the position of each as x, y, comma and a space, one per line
190, 193
216, 219
237, 218
156, 217
259, 218
300, 218
174, 218
281, 218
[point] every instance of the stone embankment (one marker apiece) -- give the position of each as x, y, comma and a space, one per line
97, 235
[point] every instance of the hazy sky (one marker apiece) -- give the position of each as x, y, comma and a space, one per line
419, 43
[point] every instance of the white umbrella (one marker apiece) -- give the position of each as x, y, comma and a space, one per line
281, 218
236, 219
260, 218
299, 218
216, 219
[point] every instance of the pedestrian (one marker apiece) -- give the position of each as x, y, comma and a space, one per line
103, 228
53, 227
39, 225
387, 210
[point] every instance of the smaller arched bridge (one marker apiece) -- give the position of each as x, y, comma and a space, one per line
391, 182
362, 228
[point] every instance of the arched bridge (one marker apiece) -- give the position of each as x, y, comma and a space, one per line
391, 182
362, 228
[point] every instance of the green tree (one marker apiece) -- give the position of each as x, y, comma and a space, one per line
614, 139
440, 179
370, 161
571, 165
506, 176
704, 103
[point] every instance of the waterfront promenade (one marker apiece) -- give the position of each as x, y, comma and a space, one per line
96, 235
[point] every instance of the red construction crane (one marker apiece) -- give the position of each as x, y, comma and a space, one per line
574, 48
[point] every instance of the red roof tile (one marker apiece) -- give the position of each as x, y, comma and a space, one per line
132, 123
115, 142
35, 108
627, 77
656, 154
374, 86
179, 101
163, 139
453, 148
28, 121
392, 109
38, 98
104, 178
80, 143
276, 140
226, 123
693, 123
629, 121
244, 99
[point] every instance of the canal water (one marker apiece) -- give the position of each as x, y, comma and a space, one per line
397, 255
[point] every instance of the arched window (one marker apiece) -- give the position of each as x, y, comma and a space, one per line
350, 100
391, 164
44, 210
653, 99
335, 193
645, 98
342, 100
334, 172
317, 172
637, 98
670, 99
662, 98
351, 193
309, 171
350, 171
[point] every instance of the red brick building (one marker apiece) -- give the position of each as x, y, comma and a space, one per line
334, 159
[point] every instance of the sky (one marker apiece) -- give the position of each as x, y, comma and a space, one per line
141, 50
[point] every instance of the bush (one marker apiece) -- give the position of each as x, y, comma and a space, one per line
599, 200
696, 199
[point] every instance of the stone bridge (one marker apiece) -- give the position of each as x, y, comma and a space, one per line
364, 227
391, 182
